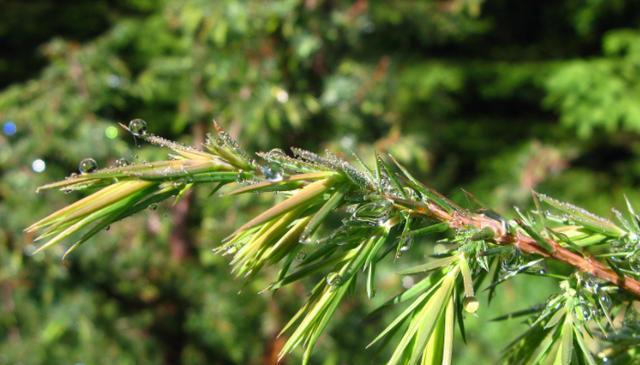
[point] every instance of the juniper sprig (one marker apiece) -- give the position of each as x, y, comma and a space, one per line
383, 211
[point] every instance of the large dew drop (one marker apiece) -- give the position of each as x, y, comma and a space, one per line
87, 165
273, 174
334, 279
138, 127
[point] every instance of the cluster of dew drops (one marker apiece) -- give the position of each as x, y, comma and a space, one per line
137, 127
274, 174
593, 286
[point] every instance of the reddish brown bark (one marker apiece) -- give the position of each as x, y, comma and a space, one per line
584, 263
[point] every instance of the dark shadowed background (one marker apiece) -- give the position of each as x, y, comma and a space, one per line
496, 97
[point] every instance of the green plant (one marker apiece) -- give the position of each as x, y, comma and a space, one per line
337, 222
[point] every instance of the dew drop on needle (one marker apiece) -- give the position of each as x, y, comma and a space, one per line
87, 166
138, 127
272, 174
334, 279
121, 162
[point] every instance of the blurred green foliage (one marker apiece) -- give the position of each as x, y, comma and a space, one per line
496, 97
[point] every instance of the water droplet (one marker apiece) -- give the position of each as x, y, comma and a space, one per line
617, 259
301, 255
605, 300
153, 206
334, 279
87, 165
591, 284
271, 173
306, 239
241, 177
38, 165
138, 127
121, 162
223, 139
471, 304
405, 242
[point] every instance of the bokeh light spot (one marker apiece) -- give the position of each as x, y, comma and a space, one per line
38, 165
9, 128
111, 132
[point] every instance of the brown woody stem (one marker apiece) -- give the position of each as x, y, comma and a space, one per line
587, 264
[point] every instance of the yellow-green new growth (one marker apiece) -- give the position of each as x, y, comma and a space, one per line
380, 211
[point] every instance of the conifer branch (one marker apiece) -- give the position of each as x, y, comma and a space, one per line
384, 209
